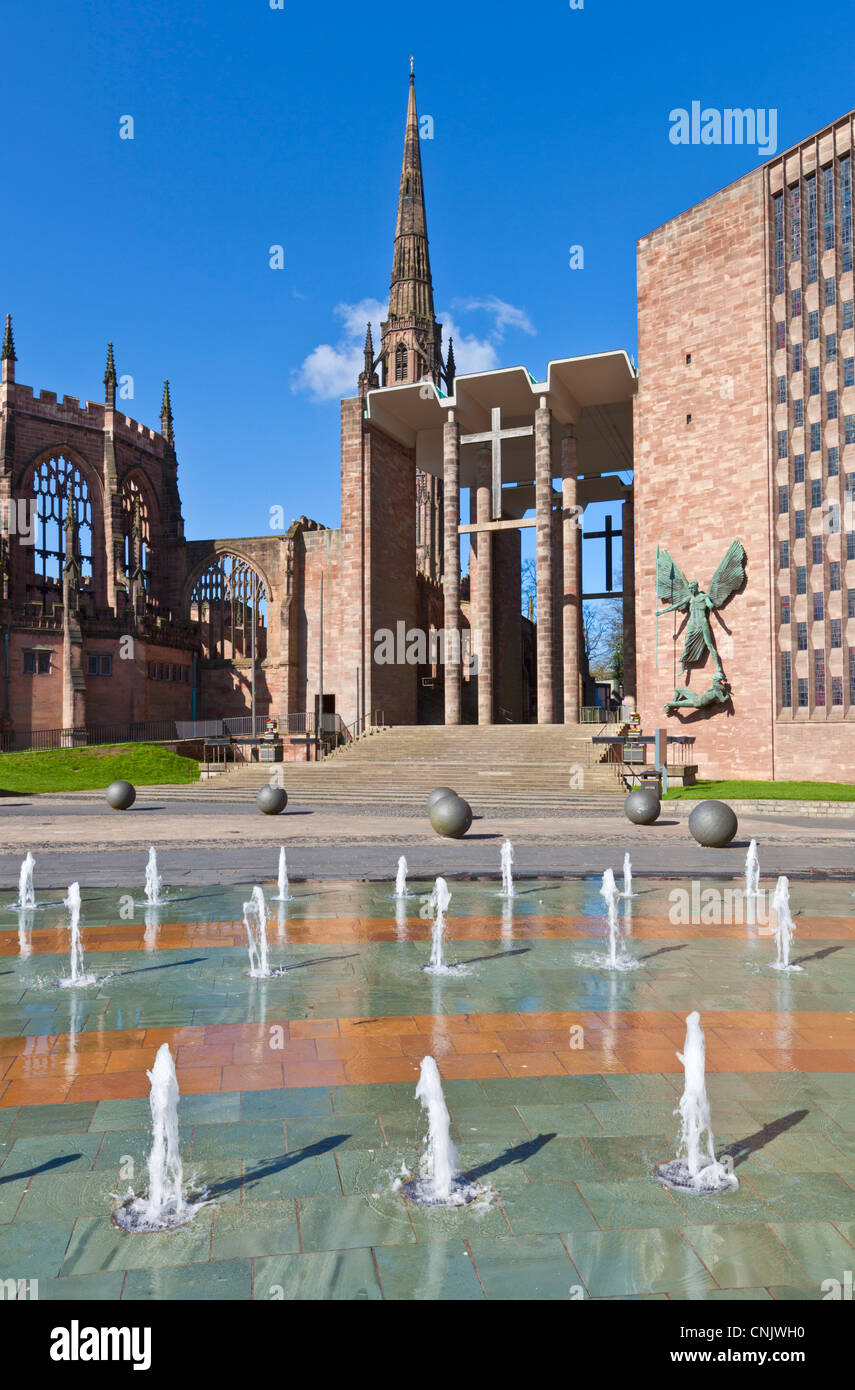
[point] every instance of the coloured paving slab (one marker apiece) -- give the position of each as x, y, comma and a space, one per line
298, 1114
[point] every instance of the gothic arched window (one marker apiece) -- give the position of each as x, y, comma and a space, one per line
136, 531
226, 595
56, 481
400, 362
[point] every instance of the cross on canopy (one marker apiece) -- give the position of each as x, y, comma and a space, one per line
494, 437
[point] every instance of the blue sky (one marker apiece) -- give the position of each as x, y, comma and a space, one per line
256, 126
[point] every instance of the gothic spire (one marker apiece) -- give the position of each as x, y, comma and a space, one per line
8, 356
368, 378
450, 365
110, 378
166, 415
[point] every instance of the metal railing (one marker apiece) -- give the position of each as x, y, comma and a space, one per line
593, 714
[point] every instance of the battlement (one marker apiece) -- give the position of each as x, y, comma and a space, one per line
90, 415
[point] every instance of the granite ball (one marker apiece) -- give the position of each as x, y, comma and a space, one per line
121, 795
713, 824
437, 794
451, 816
272, 800
642, 806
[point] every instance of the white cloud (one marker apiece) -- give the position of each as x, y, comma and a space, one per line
332, 370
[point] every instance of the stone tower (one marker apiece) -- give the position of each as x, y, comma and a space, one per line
411, 337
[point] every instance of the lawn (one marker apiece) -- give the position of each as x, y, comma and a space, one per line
86, 769
763, 791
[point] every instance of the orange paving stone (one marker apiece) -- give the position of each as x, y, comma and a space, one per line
262, 1056
178, 936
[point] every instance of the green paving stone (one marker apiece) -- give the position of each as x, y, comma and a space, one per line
495, 1163
355, 1131
440, 1270
644, 1087
11, 1195
621, 1118
650, 1261
566, 1089
481, 1123
63, 1152
543, 1208
291, 1175
723, 1295
515, 1090
566, 1121
630, 1157
277, 1105
483, 1217
72, 1118
840, 1084
375, 1170
563, 1160
218, 1108
627, 1204
54, 1196
742, 1256
790, 1197
336, 1275
83, 1288
221, 1279
343, 1223
255, 1228
265, 1139
117, 1146
806, 1293
408, 1127
120, 1114
742, 1205
33, 1249
809, 1153
97, 1245
819, 1248
525, 1267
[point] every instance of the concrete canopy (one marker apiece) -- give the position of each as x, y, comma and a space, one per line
591, 394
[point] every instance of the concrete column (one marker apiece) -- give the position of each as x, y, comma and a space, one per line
543, 518
629, 688
572, 600
557, 614
483, 596
451, 573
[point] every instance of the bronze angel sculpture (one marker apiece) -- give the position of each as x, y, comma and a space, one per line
682, 595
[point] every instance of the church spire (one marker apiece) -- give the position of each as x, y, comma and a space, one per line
110, 379
368, 378
411, 336
166, 415
8, 356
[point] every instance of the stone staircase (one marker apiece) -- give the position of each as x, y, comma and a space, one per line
524, 765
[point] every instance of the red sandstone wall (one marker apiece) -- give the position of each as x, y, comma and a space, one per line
702, 291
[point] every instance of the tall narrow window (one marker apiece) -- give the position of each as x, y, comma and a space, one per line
786, 681
400, 363
819, 678
812, 258
828, 207
845, 213
780, 281
795, 223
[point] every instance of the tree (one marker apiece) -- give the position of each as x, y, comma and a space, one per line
602, 625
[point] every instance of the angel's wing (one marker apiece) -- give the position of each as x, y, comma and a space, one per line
671, 583
729, 575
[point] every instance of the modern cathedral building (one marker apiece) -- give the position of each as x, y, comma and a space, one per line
728, 456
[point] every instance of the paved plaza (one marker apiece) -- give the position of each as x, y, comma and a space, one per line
298, 1118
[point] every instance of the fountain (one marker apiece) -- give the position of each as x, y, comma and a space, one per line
26, 892
439, 1185
78, 975
255, 921
166, 1205
752, 872
785, 927
284, 894
438, 903
153, 881
507, 877
617, 958
692, 1170
627, 876
401, 879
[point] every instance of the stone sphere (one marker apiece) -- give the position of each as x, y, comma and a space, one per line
713, 824
451, 816
642, 806
272, 800
438, 793
121, 795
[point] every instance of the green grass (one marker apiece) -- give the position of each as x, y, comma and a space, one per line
88, 769
763, 791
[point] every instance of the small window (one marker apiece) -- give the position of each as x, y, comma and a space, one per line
800, 525
815, 437
834, 576
99, 664
785, 610
849, 371
801, 637
798, 413
831, 405
803, 692
816, 492
836, 632
36, 663
833, 461
799, 468
783, 500
818, 608
816, 549
688, 359
797, 357
813, 324
814, 381
797, 304
830, 291
831, 347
